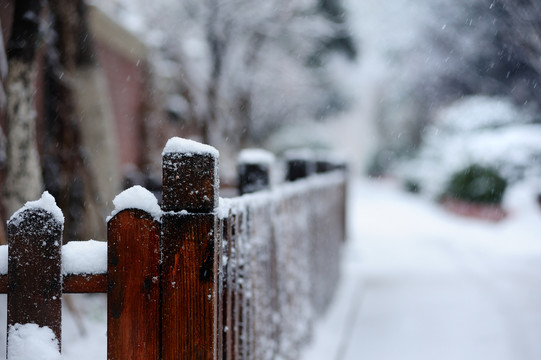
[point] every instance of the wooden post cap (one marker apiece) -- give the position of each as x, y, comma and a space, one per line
190, 176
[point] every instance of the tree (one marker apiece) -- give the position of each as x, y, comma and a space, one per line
481, 47
76, 136
521, 24
79, 164
247, 68
23, 180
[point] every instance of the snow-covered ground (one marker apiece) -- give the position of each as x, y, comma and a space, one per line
420, 283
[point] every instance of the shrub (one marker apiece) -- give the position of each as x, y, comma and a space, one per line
476, 184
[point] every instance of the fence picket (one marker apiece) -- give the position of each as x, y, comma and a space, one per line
191, 257
133, 292
35, 270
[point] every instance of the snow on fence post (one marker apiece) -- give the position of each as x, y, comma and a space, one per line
254, 167
299, 164
133, 291
35, 271
190, 251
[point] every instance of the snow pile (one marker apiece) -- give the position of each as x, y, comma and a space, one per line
46, 203
255, 156
188, 147
31, 342
84, 257
137, 197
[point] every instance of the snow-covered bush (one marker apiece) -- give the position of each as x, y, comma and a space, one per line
486, 131
476, 184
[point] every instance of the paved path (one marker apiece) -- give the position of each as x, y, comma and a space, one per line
419, 284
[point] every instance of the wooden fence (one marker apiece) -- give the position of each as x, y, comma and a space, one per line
202, 277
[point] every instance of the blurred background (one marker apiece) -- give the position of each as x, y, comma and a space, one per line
436, 99
426, 92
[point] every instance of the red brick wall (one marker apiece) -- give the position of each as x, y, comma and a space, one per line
126, 81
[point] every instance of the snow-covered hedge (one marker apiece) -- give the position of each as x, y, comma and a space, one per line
479, 130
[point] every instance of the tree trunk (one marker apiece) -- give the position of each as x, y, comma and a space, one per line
83, 142
23, 180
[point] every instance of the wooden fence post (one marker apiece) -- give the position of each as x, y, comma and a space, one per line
190, 251
35, 267
133, 292
299, 164
254, 170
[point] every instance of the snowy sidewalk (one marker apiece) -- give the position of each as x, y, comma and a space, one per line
419, 283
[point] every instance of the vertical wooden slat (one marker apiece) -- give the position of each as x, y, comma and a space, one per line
190, 257
133, 301
35, 270
233, 270
241, 283
227, 281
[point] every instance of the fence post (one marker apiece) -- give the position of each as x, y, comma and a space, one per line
35, 267
190, 251
133, 292
254, 167
299, 164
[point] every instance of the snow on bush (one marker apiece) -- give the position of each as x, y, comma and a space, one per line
480, 112
489, 132
32, 342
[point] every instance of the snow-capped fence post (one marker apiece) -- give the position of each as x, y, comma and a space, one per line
299, 165
35, 269
190, 251
254, 170
133, 291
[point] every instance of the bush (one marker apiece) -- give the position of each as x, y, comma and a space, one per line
412, 186
476, 184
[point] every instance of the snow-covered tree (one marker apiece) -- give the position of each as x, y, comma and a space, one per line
246, 67
522, 23
468, 48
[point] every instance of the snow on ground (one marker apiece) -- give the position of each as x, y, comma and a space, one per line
420, 283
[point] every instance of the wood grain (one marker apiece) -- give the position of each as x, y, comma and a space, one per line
133, 294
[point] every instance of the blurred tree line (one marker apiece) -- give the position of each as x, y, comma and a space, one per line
479, 47
239, 69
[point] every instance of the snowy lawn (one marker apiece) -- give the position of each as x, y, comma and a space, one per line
420, 283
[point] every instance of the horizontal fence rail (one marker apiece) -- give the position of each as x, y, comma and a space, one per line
200, 277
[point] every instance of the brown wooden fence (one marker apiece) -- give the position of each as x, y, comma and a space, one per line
208, 278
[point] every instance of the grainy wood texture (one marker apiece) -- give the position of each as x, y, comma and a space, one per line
133, 294
227, 283
85, 283
189, 182
35, 270
191, 258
